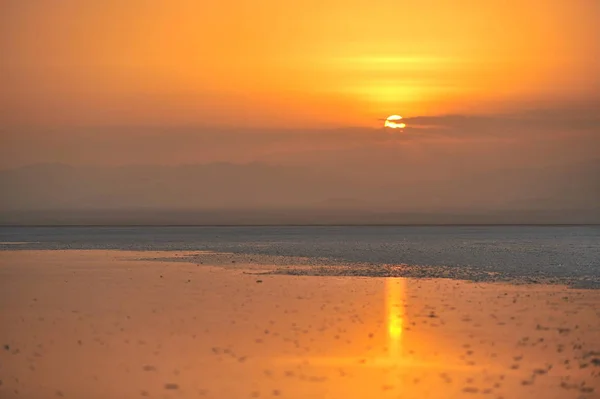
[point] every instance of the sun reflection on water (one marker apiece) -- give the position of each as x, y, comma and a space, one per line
393, 315
394, 302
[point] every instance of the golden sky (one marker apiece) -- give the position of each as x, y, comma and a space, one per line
273, 63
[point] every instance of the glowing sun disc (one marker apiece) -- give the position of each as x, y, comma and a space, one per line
393, 122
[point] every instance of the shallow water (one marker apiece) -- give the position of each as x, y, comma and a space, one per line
534, 251
101, 324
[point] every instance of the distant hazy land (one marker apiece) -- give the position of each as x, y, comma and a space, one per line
234, 194
287, 217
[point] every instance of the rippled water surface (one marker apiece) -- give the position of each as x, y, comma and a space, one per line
561, 251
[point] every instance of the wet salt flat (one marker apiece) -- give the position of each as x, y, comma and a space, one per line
105, 324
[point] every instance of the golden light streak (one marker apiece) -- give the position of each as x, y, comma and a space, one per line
395, 291
394, 301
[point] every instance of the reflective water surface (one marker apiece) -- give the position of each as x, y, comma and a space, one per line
101, 324
511, 251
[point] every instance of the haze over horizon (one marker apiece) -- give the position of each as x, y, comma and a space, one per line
500, 99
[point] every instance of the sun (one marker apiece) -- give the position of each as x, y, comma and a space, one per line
393, 122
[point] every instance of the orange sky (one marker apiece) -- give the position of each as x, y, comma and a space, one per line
313, 63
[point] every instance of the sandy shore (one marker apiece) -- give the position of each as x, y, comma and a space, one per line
101, 324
